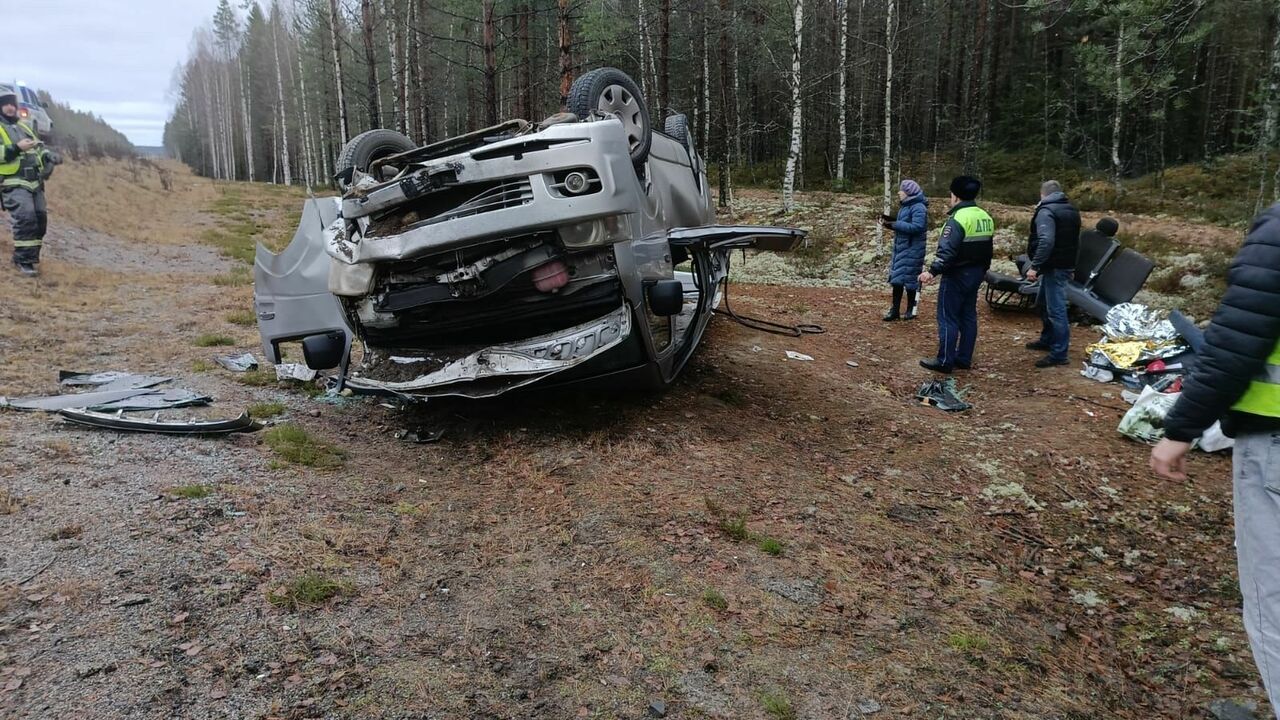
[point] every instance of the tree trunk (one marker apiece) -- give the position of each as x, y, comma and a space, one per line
889, 41
524, 78
862, 93
337, 71
371, 63
725, 127
308, 149
737, 97
565, 35
706, 84
246, 109
842, 97
420, 100
396, 69
284, 117
1116, 126
488, 40
664, 56
1270, 114
797, 106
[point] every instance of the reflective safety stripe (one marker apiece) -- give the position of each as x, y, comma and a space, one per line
27, 243
1270, 374
1263, 395
977, 224
17, 181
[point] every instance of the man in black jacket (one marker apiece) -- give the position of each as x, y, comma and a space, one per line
1052, 247
1236, 378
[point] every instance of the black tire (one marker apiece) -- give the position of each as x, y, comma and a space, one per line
362, 150
677, 126
611, 90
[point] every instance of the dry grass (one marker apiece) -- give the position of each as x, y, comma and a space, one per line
106, 195
9, 503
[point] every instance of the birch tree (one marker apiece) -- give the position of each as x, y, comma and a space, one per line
284, 116
797, 106
334, 33
890, 41
842, 96
1270, 117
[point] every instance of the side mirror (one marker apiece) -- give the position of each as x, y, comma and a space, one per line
323, 352
665, 297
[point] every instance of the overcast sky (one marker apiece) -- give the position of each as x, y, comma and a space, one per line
111, 57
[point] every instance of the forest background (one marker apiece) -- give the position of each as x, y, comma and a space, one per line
1137, 105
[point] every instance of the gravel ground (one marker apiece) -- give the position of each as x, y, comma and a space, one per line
769, 539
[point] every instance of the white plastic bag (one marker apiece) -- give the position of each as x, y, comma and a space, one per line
1145, 422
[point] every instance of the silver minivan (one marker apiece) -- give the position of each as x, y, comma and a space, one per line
580, 247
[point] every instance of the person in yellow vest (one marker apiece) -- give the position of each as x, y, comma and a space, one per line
963, 257
1236, 379
23, 160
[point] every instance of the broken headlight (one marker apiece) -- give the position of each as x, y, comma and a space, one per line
350, 280
603, 231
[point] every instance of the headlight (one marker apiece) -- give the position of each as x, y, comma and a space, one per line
350, 280
605, 231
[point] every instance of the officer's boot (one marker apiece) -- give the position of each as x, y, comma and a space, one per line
22, 261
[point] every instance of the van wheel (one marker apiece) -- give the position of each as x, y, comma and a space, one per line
609, 90
362, 150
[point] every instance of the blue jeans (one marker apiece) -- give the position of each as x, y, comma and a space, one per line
958, 315
1256, 464
1055, 330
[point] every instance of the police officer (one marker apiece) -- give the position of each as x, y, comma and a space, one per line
964, 254
1236, 379
24, 162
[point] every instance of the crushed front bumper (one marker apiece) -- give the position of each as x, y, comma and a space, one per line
495, 369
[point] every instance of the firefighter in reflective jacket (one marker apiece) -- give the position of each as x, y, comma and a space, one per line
963, 256
24, 165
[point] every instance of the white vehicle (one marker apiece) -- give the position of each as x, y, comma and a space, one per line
30, 109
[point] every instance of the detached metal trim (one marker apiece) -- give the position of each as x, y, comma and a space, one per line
114, 421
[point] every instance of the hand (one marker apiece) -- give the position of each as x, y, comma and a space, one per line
1032, 275
926, 277
1169, 459
26, 144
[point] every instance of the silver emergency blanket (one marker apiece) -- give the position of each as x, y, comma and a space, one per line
1132, 321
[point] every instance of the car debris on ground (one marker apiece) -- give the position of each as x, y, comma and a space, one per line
237, 363
116, 392
295, 371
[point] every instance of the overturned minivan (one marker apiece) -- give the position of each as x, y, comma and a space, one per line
522, 253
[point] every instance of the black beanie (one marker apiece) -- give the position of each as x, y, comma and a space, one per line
966, 187
1108, 226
